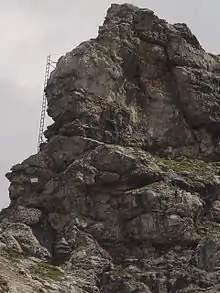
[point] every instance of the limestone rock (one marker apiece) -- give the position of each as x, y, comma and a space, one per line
140, 83
124, 195
62, 251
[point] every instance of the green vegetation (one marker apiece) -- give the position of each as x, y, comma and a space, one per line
14, 256
198, 167
46, 270
207, 227
120, 271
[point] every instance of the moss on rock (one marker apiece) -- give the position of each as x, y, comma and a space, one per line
199, 167
46, 270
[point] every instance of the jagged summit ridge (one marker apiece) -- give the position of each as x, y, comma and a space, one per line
141, 82
118, 199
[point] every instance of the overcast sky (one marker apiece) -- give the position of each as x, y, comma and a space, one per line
30, 29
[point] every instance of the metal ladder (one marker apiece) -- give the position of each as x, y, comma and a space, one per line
44, 105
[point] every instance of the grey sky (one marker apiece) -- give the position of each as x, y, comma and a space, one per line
31, 29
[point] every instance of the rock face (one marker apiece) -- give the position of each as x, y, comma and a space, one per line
125, 194
140, 83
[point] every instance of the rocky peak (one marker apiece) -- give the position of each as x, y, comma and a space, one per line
154, 75
124, 195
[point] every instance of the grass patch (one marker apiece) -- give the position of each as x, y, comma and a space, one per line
207, 227
14, 256
121, 272
196, 166
46, 270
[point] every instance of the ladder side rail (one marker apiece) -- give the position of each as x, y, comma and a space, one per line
43, 106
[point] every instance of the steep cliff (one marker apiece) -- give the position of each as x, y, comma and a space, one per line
125, 195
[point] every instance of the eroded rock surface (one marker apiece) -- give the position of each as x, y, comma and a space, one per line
141, 82
125, 194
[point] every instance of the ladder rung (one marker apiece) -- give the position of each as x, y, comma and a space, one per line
44, 103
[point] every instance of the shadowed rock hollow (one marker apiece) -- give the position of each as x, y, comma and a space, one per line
125, 196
